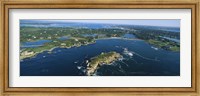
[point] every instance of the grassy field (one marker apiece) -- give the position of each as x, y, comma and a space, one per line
164, 44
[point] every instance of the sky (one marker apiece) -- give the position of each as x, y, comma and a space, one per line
149, 22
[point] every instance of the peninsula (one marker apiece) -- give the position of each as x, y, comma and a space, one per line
74, 42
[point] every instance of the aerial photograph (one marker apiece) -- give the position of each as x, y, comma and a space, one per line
99, 47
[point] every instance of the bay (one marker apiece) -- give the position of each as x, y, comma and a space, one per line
146, 61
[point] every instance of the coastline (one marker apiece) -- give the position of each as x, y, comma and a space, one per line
101, 59
118, 38
36, 53
88, 43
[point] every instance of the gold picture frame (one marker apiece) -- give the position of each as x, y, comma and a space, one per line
127, 4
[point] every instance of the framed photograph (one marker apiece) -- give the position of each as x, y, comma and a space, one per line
102, 48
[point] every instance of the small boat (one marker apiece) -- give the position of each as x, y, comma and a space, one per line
76, 62
154, 48
79, 67
44, 56
126, 52
87, 61
130, 54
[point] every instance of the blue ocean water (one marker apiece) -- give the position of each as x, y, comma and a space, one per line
129, 36
173, 30
34, 43
90, 35
146, 61
172, 39
64, 38
75, 25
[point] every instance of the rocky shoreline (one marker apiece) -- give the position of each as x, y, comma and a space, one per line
103, 58
29, 54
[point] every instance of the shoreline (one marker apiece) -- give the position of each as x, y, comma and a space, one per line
50, 50
101, 59
118, 38
36, 53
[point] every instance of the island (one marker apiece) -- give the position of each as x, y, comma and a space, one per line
103, 58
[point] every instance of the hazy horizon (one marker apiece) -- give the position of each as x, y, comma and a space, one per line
147, 22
